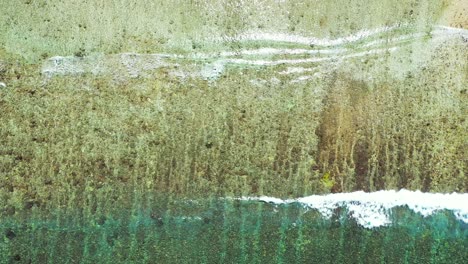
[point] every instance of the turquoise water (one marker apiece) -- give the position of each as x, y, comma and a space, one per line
232, 231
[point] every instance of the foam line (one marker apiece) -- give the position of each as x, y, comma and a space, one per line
373, 209
327, 42
137, 64
281, 37
274, 51
308, 60
294, 70
452, 30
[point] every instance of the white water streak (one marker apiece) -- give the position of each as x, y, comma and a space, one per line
137, 64
281, 37
373, 209
308, 60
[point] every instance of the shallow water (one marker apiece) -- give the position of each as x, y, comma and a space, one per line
113, 112
239, 231
291, 54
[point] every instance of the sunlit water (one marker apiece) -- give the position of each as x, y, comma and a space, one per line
301, 58
380, 227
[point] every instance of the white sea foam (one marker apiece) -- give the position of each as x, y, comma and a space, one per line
308, 60
293, 70
445, 29
267, 199
275, 51
135, 65
282, 37
373, 209
303, 78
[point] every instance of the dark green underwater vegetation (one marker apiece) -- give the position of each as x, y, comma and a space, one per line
229, 231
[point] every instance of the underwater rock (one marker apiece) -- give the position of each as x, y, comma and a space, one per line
10, 234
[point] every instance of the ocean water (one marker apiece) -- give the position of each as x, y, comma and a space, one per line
381, 227
401, 48
335, 57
